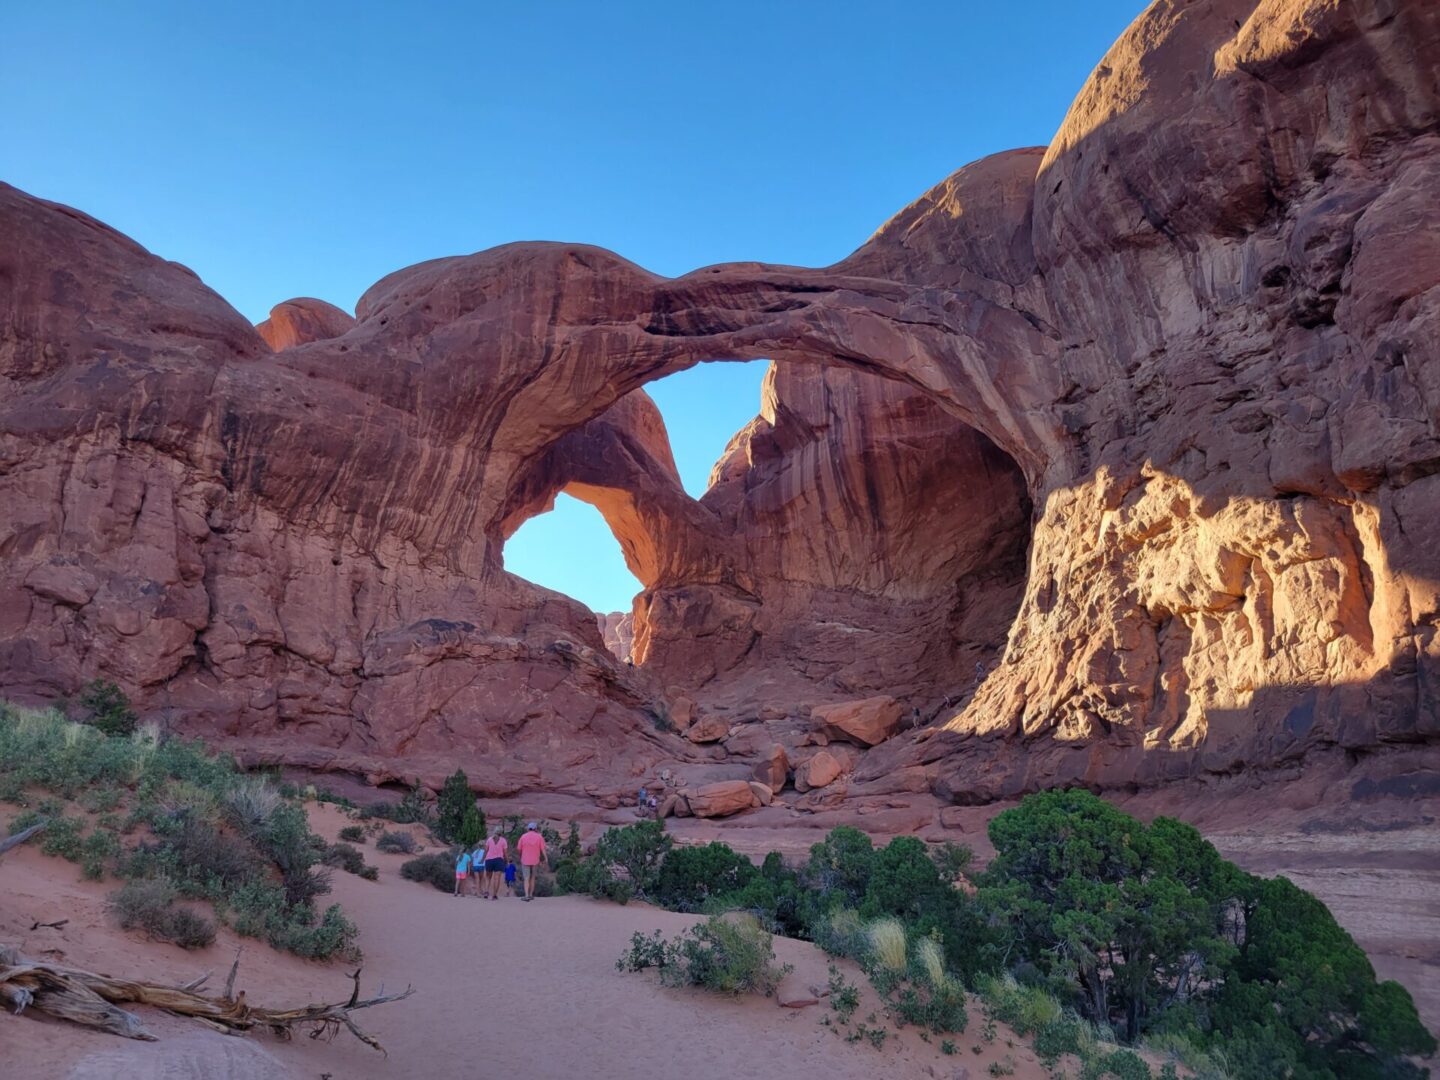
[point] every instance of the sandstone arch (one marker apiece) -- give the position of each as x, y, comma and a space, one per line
1202, 323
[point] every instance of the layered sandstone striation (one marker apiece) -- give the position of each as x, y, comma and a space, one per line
1114, 462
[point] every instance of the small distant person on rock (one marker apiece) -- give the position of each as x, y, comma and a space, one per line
462, 871
532, 854
496, 848
510, 876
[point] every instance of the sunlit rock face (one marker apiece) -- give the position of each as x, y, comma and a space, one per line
301, 320
1115, 461
617, 630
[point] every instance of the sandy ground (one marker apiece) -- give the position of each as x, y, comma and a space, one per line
502, 989
531, 990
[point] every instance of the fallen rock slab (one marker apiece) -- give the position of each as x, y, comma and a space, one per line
868, 721
720, 799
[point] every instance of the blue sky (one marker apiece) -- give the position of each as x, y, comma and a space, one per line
309, 149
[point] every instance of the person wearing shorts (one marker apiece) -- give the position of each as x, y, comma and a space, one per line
510, 876
477, 867
496, 848
532, 854
462, 871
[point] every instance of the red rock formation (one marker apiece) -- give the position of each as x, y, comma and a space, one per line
617, 629
302, 320
1197, 333
868, 722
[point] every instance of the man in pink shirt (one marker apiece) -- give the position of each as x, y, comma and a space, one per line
532, 853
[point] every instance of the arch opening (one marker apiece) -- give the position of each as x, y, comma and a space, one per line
854, 538
571, 549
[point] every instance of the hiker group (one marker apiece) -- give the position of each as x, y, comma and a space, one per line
492, 863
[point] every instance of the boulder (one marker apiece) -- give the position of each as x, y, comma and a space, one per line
869, 721
773, 769
682, 713
720, 799
708, 729
818, 771
763, 795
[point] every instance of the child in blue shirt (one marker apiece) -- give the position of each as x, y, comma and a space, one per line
462, 871
510, 877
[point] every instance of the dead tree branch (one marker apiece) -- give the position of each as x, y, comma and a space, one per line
85, 997
21, 836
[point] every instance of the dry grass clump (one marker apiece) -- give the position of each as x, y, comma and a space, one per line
887, 944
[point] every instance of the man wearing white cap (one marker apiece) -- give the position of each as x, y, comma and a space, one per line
532, 854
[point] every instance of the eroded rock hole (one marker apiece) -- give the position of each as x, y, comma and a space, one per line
570, 549
854, 539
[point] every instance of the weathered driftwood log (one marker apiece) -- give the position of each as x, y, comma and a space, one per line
92, 999
21, 836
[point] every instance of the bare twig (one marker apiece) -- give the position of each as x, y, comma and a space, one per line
49, 925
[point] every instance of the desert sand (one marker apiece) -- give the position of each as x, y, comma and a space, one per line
503, 988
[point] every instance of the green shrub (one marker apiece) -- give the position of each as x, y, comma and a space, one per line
472, 828
62, 837
454, 803
952, 861
689, 876
259, 909
105, 706
844, 995
725, 955
645, 952
344, 857
98, 851
100, 799
196, 855
352, 834
839, 867
12, 788
288, 842
370, 873
333, 936
182, 793
437, 869
637, 850
1301, 991
775, 895
190, 930
938, 1008
396, 843
843, 933
1058, 1037
1120, 1064
1118, 908
149, 906
592, 878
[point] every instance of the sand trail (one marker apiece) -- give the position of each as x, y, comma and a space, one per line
504, 989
